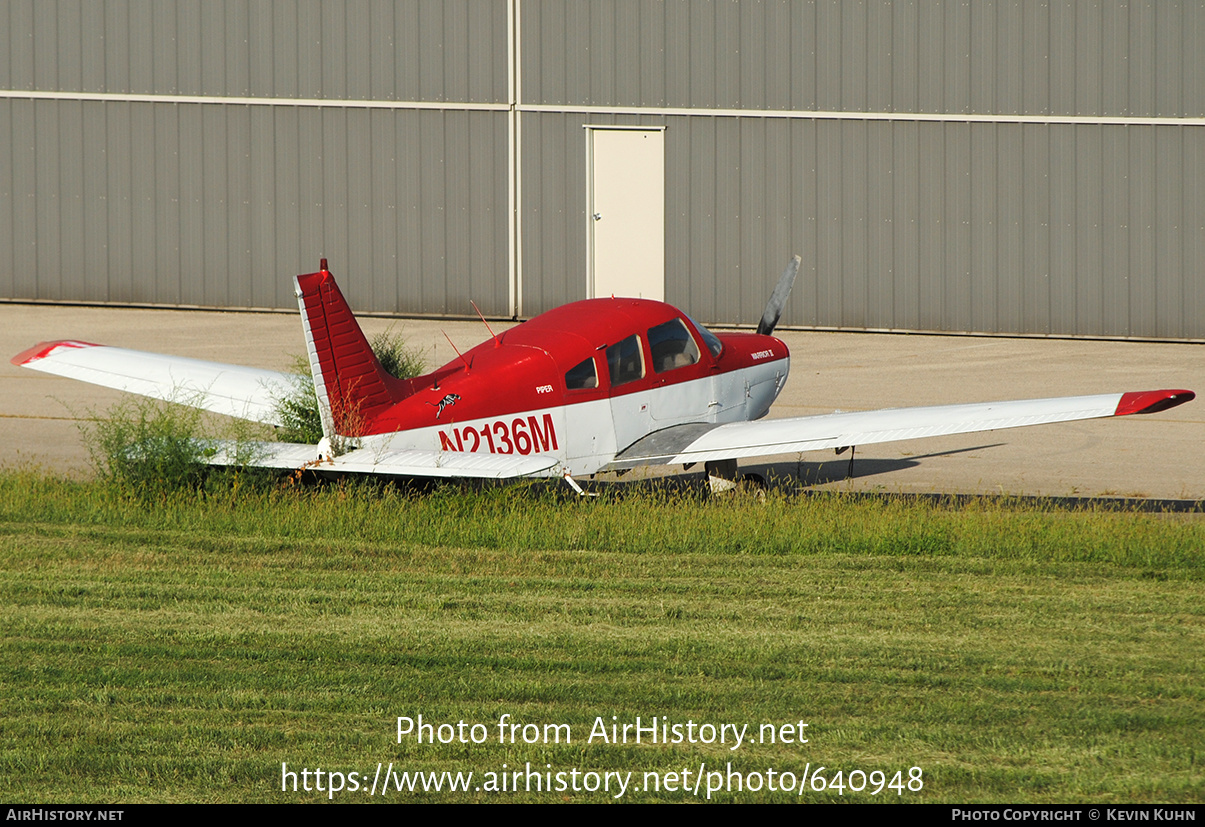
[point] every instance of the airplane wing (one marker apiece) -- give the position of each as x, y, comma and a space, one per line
688, 444
402, 463
242, 392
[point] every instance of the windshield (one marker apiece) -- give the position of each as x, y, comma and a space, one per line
709, 338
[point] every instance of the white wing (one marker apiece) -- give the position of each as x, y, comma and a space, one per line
701, 443
246, 393
408, 463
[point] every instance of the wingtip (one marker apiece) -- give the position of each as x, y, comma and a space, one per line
1145, 402
43, 349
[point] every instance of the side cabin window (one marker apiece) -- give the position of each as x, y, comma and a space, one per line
582, 377
672, 346
625, 361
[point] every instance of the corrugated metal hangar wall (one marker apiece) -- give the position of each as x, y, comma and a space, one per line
1013, 166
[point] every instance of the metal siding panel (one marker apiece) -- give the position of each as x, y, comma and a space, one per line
677, 53
116, 190
780, 242
460, 230
145, 164
728, 227
1115, 232
290, 171
854, 54
26, 206
189, 76
1114, 78
1035, 63
853, 230
1089, 58
455, 53
1062, 68
309, 60
311, 193
652, 77
931, 53
828, 55
358, 209
1169, 235
169, 204
751, 218
263, 275
983, 227
237, 208
286, 46
984, 69
726, 58
335, 192
212, 267
431, 50
1142, 48
10, 153
877, 45
69, 56
805, 207
1035, 228
623, 60
1062, 229
957, 306
433, 203
93, 262
1088, 222
382, 71
409, 151
358, 54
238, 48
957, 63
880, 200
1010, 57
17, 71
1169, 60
408, 33
678, 206
92, 47
1010, 236
830, 267
486, 38
45, 46
71, 269
212, 37
1193, 67
263, 44
485, 250
751, 54
192, 271
704, 211
1143, 256
332, 56
804, 33
1194, 233
905, 57
777, 63
703, 47
905, 240
379, 193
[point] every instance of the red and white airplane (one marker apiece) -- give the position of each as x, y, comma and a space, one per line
596, 385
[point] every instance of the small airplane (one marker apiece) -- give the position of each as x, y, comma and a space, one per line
595, 385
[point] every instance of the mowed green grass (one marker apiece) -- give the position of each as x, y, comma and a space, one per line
181, 647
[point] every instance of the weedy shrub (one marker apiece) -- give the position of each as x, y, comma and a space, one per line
147, 445
298, 409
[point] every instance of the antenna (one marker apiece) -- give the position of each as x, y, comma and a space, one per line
497, 343
467, 367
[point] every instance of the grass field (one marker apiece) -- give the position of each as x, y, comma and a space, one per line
182, 647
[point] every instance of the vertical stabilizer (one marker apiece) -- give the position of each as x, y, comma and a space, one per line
351, 385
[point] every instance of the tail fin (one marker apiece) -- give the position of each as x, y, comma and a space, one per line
351, 385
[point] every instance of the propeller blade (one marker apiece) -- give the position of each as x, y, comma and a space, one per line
778, 299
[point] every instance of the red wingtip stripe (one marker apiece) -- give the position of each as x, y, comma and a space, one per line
1144, 402
43, 349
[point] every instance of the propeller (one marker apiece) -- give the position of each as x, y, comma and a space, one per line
778, 299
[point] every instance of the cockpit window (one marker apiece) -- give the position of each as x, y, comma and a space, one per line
625, 361
709, 338
672, 346
582, 377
